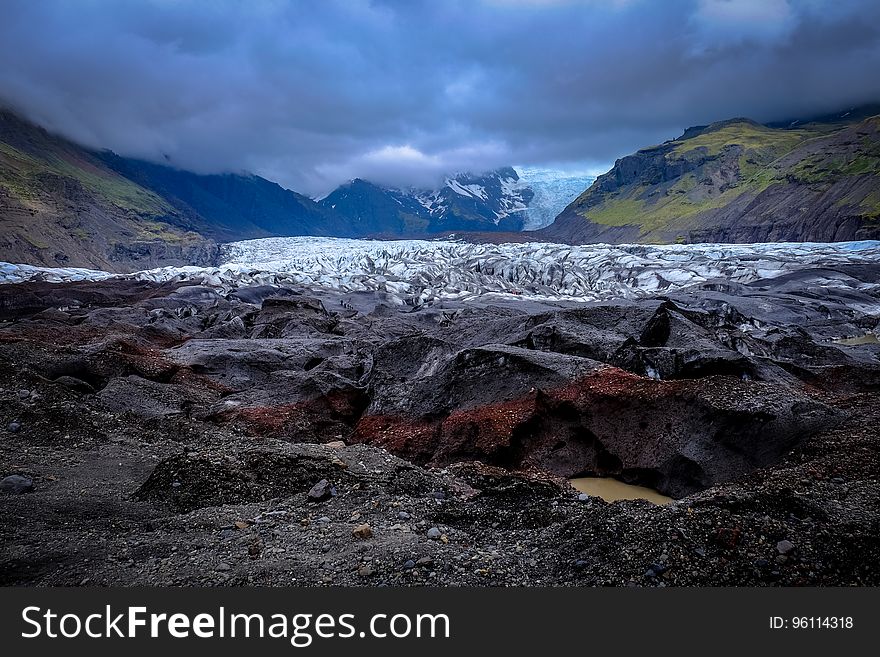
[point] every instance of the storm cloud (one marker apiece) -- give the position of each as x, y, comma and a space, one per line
313, 93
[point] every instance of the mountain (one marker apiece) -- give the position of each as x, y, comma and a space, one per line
738, 181
374, 210
61, 205
232, 206
553, 190
493, 201
65, 205
733, 181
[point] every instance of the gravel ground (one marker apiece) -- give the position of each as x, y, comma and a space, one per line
124, 473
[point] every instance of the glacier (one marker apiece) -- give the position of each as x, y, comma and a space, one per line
553, 190
416, 273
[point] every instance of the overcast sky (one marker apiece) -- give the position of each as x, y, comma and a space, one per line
314, 93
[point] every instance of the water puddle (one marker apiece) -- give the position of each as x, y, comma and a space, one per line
612, 490
870, 338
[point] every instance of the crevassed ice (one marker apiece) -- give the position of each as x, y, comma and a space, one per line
553, 190
416, 272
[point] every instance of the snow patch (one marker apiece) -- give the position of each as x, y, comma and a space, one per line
471, 190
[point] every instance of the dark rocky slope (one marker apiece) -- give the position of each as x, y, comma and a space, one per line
373, 210
61, 206
65, 205
495, 201
171, 435
737, 181
233, 206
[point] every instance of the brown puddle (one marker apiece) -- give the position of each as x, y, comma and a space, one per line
612, 490
870, 338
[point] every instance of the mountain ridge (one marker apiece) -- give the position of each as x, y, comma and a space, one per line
490, 201
737, 181
734, 180
62, 204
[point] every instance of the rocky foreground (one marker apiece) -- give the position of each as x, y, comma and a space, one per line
182, 433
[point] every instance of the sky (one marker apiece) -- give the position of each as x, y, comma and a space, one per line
313, 93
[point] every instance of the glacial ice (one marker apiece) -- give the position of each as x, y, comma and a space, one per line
553, 190
419, 272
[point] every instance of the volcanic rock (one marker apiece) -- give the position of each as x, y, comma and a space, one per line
16, 484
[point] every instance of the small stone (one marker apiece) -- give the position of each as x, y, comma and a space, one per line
324, 520
837, 480
175, 484
365, 571
74, 384
16, 484
13, 427
24, 394
434, 534
363, 531
335, 444
580, 564
403, 515
784, 547
425, 561
409, 564
355, 516
222, 567
438, 495
583, 497
444, 538
321, 491
241, 525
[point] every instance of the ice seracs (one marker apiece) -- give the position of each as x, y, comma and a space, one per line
553, 190
422, 272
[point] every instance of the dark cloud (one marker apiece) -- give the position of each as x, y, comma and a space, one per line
311, 93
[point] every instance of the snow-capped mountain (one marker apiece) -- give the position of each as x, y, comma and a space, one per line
553, 190
493, 201
498, 197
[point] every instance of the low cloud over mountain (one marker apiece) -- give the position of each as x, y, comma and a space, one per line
312, 94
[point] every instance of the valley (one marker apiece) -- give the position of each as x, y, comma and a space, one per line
734, 181
274, 421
